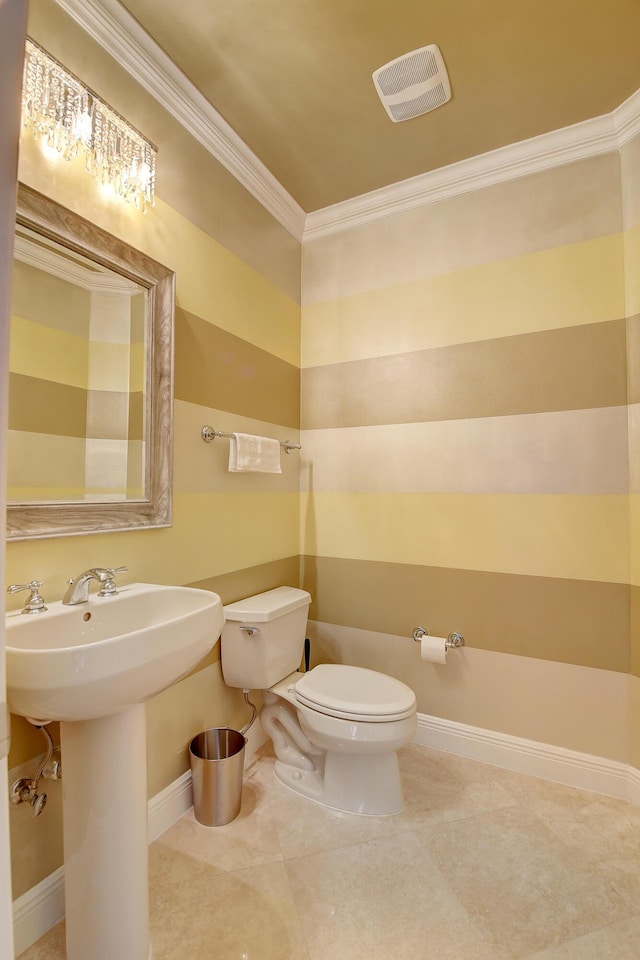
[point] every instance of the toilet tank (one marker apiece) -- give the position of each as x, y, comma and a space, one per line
263, 637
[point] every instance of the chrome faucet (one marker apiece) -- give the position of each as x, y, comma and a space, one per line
78, 591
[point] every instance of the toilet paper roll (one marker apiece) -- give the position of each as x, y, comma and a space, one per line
433, 649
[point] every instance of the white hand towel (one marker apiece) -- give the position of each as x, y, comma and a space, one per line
253, 454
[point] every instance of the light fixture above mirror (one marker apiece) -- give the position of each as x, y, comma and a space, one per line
68, 117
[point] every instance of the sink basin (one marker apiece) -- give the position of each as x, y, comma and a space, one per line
96, 658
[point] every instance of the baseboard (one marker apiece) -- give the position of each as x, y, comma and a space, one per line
41, 907
561, 765
37, 910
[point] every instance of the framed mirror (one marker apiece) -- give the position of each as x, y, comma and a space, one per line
90, 442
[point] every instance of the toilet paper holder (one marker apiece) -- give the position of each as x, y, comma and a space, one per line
453, 640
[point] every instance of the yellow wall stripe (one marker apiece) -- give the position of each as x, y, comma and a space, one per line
584, 538
38, 350
561, 287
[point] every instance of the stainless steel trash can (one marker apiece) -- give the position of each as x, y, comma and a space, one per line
217, 765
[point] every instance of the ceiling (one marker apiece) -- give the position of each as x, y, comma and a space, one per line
293, 78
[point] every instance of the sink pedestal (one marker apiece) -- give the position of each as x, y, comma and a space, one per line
105, 837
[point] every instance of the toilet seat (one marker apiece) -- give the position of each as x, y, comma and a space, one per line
354, 693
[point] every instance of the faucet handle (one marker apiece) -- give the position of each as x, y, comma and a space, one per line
108, 581
35, 603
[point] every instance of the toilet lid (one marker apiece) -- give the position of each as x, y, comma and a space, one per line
355, 693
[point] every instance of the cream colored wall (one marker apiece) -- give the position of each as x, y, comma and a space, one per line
228, 533
464, 414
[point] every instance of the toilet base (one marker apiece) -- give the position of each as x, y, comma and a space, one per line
366, 785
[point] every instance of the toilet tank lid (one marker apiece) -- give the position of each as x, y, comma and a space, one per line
263, 607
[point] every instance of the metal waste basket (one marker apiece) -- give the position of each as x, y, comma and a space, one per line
217, 763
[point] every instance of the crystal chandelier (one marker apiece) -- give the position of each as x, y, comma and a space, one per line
70, 118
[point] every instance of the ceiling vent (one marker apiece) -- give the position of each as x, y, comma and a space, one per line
413, 84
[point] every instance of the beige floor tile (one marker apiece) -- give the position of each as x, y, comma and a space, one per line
377, 900
188, 846
595, 825
228, 916
619, 941
305, 826
49, 947
516, 878
603, 830
439, 787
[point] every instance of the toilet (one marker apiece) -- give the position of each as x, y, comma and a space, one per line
336, 729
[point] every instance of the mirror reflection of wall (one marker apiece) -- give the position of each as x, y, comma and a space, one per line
77, 376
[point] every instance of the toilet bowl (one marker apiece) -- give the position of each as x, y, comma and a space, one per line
336, 729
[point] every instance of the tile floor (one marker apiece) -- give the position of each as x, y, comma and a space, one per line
483, 864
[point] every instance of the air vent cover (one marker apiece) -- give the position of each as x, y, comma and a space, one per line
413, 84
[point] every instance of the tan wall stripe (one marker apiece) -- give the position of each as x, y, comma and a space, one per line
42, 406
216, 369
136, 416
238, 584
566, 369
569, 621
633, 358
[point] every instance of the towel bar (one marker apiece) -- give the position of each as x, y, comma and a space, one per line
209, 433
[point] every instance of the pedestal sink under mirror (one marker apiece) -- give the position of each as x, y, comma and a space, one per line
91, 666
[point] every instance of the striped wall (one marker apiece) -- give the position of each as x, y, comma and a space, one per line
48, 385
76, 377
464, 412
236, 367
630, 162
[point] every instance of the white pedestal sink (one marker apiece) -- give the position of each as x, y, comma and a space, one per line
92, 666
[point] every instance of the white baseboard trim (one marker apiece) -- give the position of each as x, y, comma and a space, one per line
559, 764
37, 910
41, 907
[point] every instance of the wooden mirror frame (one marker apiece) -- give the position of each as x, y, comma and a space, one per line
67, 518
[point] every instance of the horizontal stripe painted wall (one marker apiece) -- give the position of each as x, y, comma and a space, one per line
465, 418
630, 165
76, 368
237, 345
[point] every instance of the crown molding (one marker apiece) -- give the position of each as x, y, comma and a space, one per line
107, 22
626, 119
132, 47
577, 142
